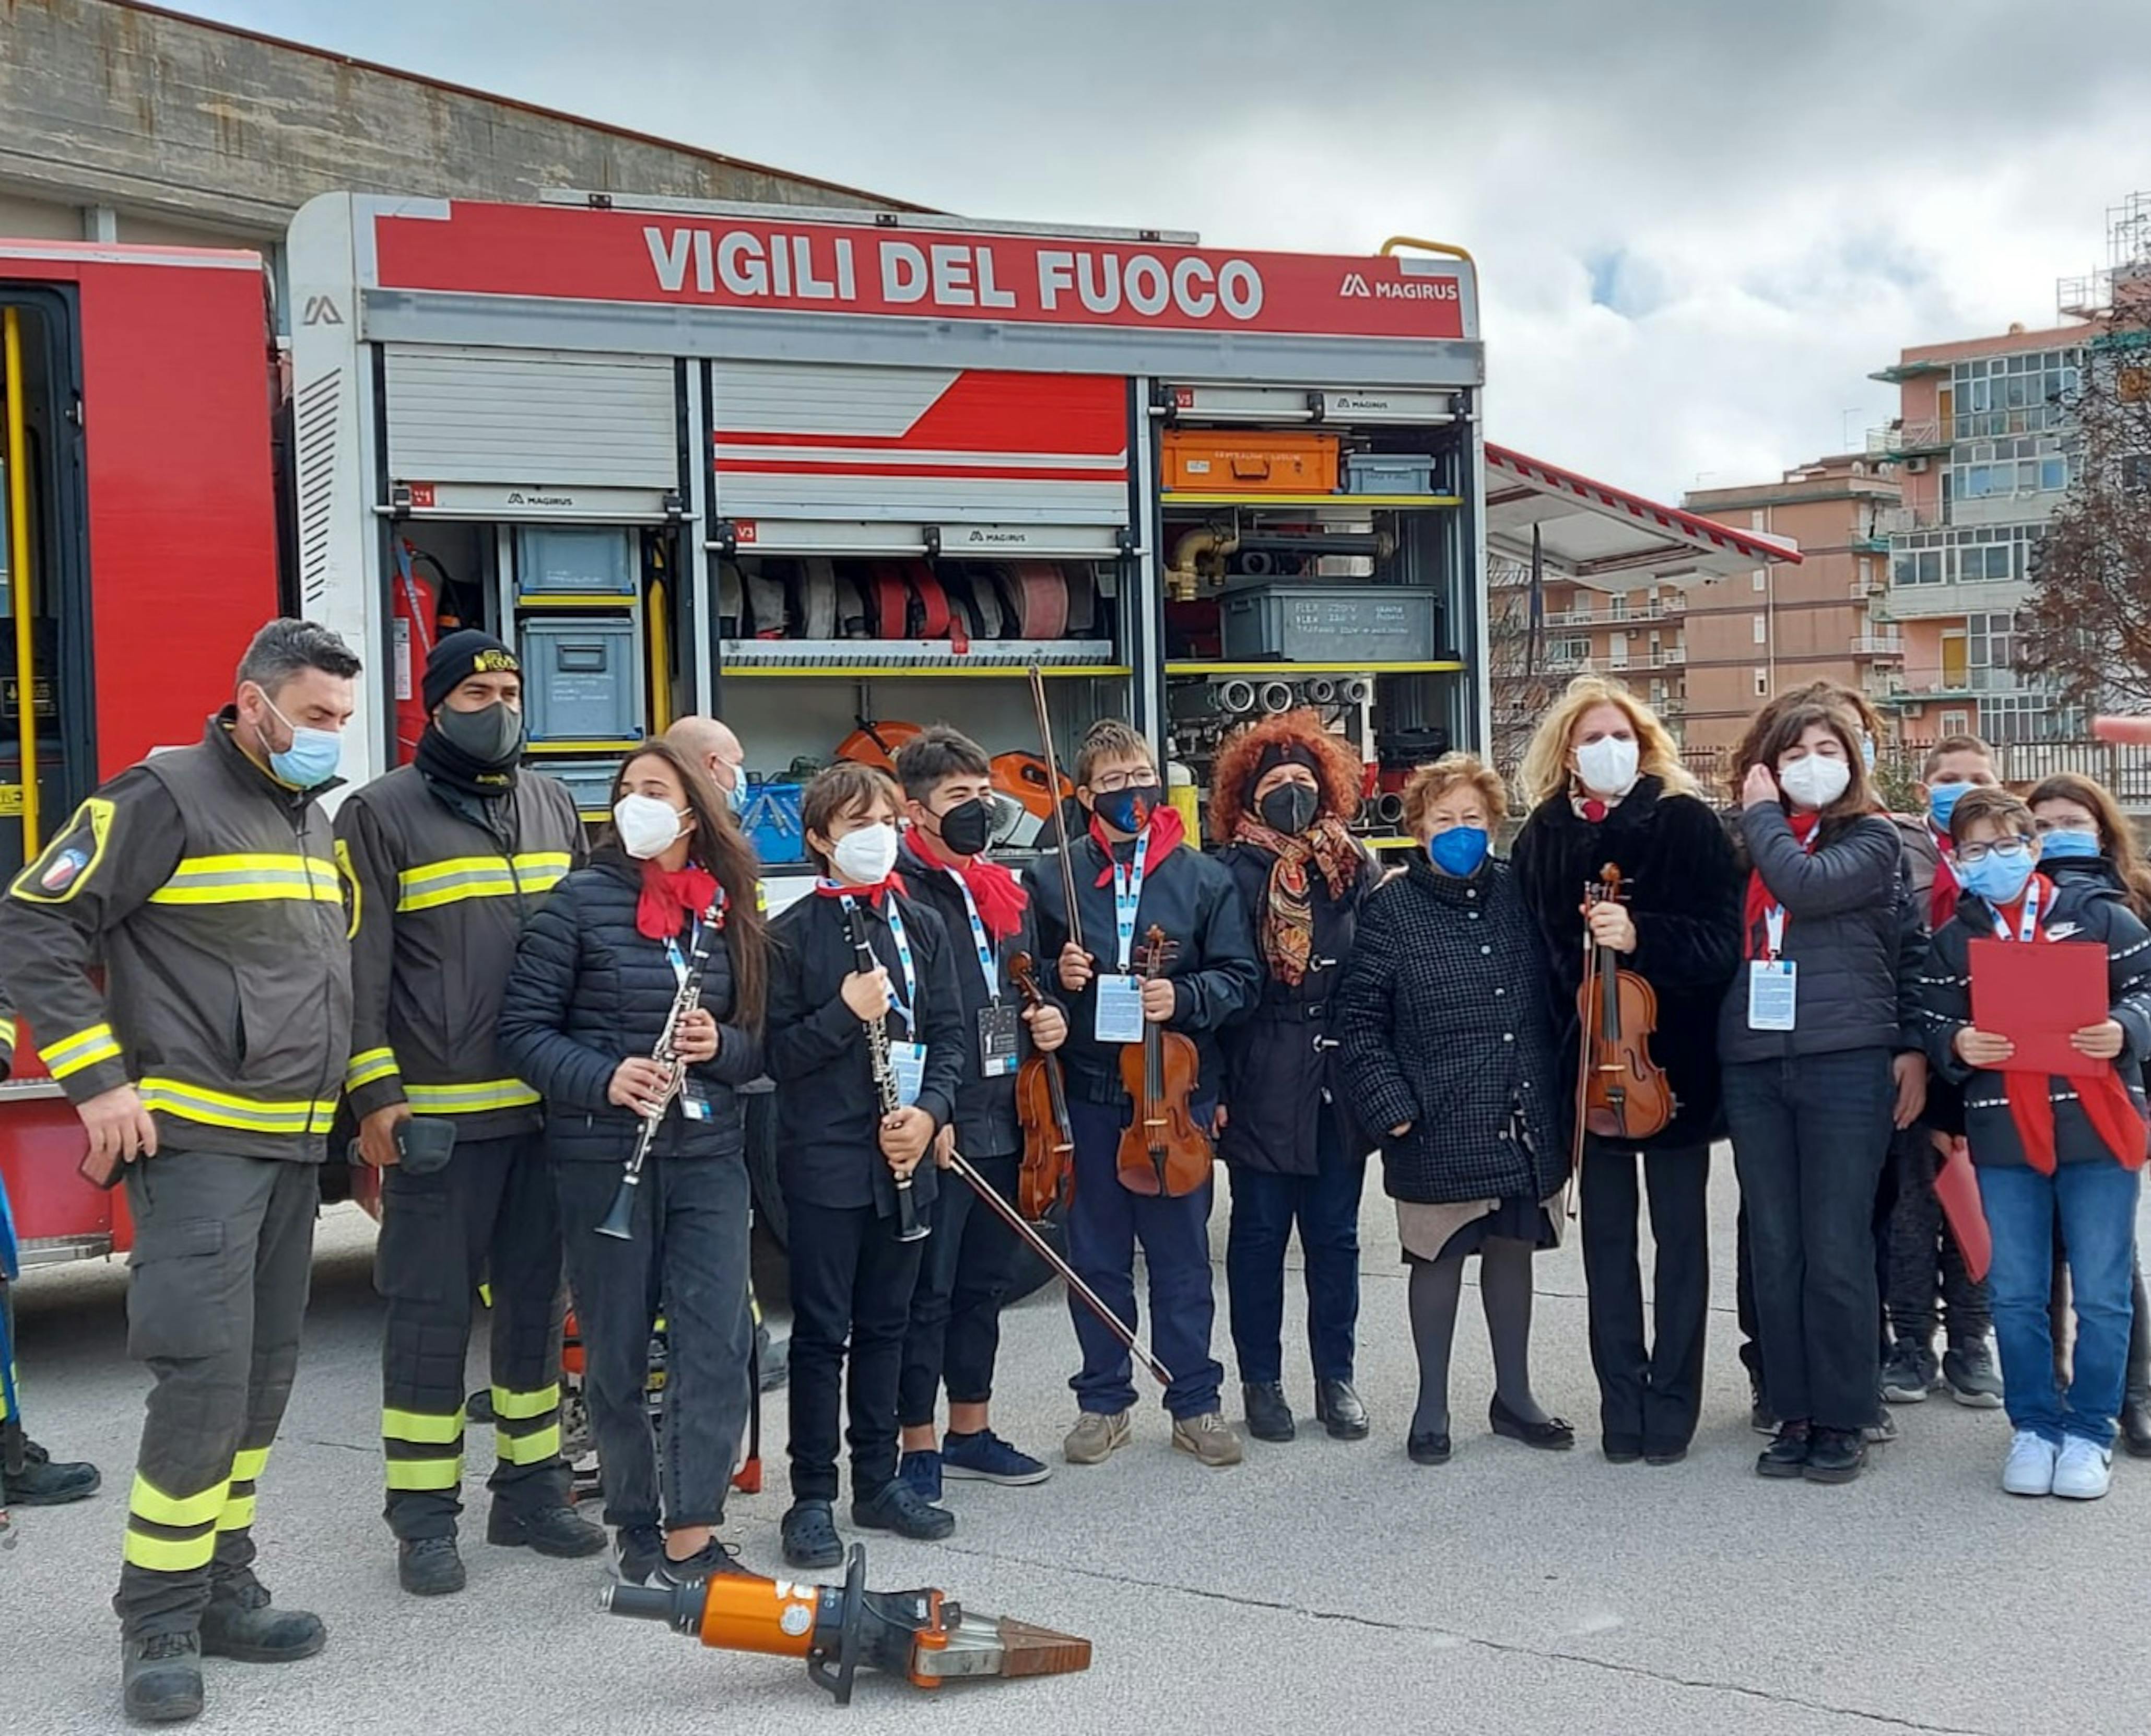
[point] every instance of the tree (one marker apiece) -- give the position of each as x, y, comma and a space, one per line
1519, 689
2087, 628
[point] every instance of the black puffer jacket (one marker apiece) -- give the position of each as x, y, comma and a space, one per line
1847, 932
588, 990
1684, 895
2085, 912
1445, 1020
1280, 1055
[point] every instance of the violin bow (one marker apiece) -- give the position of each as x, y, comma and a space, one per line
1060, 807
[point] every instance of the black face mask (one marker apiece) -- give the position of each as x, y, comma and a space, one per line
491, 736
1290, 809
968, 828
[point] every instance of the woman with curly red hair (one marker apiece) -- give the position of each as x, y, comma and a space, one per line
1281, 793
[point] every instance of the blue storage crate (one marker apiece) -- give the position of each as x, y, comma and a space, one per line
771, 821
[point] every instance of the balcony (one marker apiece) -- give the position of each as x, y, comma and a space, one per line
1893, 521
1908, 440
1649, 609
1878, 645
1665, 656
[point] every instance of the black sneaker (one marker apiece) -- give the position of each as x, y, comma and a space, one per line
1340, 1410
711, 1561
898, 1507
160, 1676
559, 1532
1269, 1417
240, 1623
429, 1566
1835, 1455
809, 1535
1786, 1456
1910, 1374
1973, 1380
640, 1553
42, 1483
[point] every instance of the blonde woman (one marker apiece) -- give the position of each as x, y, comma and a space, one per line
1606, 786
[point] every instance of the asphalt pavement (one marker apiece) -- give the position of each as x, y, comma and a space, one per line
1322, 1586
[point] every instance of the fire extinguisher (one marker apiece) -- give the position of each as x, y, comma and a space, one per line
412, 630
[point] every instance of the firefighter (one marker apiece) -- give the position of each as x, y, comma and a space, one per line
203, 881
29, 1477
446, 856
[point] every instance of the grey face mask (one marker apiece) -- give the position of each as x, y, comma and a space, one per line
492, 736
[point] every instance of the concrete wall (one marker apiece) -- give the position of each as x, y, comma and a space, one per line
215, 136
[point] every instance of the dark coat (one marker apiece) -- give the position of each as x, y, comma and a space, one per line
589, 989
828, 1112
2100, 918
1445, 1020
1280, 1055
1214, 972
1684, 896
1848, 932
2097, 869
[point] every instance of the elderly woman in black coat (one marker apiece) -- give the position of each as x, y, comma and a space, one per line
1608, 787
1282, 791
1446, 1037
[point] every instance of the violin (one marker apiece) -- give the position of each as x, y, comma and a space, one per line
1161, 1152
1621, 1093
1046, 1183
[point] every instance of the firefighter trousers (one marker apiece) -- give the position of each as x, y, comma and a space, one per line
216, 1290
487, 1217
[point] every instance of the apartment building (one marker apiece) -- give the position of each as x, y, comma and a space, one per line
1639, 636
1780, 624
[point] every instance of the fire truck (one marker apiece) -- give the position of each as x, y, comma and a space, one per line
829, 476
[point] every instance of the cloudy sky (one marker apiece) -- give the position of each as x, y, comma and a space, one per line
1699, 225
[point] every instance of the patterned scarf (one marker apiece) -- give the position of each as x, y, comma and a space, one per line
1287, 933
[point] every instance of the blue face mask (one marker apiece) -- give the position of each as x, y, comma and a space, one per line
1129, 810
1998, 880
736, 797
1942, 802
313, 757
1460, 850
2058, 846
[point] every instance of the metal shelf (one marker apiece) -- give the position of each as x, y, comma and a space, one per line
879, 659
1342, 503
1198, 666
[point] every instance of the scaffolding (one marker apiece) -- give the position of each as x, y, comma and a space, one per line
2124, 284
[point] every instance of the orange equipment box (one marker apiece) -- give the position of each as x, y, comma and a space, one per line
1213, 461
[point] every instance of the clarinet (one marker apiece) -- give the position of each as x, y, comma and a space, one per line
909, 1225
618, 1221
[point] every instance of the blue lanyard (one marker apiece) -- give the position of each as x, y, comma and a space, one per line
1127, 899
901, 1008
988, 963
672, 950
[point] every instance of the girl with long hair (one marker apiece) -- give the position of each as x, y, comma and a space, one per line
1607, 788
1282, 793
597, 971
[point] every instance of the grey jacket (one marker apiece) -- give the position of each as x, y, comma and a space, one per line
1845, 934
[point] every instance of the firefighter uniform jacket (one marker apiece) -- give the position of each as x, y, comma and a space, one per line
7, 1034
438, 900
208, 891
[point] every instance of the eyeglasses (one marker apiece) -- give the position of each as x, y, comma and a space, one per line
1113, 781
2009, 850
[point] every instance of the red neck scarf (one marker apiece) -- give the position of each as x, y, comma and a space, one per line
997, 893
670, 896
2107, 1104
1166, 834
1759, 901
872, 894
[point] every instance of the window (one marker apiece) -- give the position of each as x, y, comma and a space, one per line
1762, 578
1955, 723
1755, 520
1762, 629
1762, 683
1990, 640
1618, 606
1617, 649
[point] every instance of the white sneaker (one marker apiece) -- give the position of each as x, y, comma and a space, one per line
2083, 1471
2031, 1467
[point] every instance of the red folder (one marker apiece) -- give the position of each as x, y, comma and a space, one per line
1958, 1188
2036, 994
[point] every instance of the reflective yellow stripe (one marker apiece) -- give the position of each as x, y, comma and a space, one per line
238, 1514
425, 1473
434, 883
220, 1108
417, 1425
350, 882
513, 1407
529, 1449
84, 1049
166, 1554
250, 879
247, 1462
365, 1069
8, 1032
149, 1502
468, 1099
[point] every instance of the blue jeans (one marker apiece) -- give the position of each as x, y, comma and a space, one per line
1105, 1221
2096, 1203
1327, 1206
1809, 1135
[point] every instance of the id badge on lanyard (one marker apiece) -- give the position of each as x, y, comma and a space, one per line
997, 1024
907, 1059
1773, 982
1119, 1016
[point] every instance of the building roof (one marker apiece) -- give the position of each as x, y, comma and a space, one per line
1605, 536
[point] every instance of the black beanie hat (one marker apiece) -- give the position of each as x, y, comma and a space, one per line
458, 657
